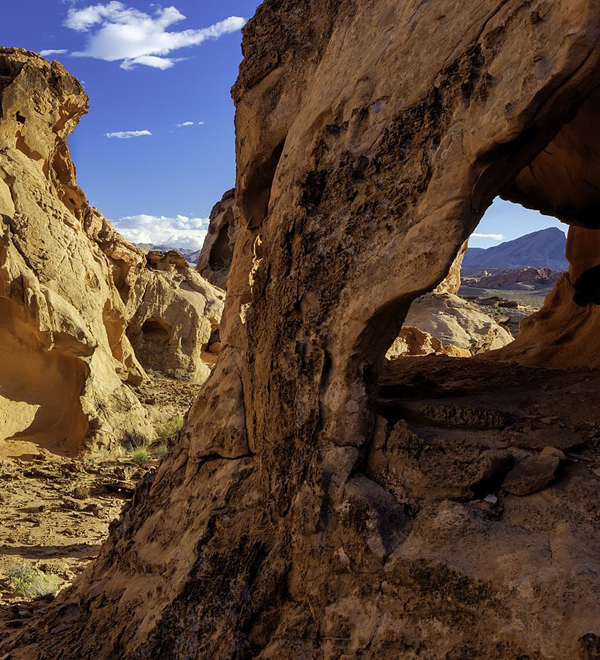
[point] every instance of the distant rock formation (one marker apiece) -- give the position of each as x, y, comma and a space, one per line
514, 277
217, 252
541, 249
191, 256
174, 318
449, 325
71, 288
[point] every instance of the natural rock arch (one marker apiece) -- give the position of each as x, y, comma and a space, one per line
260, 534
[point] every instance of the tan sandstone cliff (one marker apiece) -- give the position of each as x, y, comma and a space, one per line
217, 251
320, 504
71, 288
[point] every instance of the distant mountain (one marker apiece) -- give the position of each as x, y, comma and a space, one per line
191, 256
541, 249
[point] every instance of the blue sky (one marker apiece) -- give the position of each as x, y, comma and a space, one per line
156, 150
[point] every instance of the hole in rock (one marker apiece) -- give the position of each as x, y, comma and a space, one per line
156, 330
503, 275
523, 304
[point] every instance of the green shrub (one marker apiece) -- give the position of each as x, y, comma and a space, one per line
141, 457
160, 450
27, 582
169, 429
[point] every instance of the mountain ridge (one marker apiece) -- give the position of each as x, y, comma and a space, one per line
544, 248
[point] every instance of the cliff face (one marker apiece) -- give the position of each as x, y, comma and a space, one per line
300, 516
217, 251
69, 284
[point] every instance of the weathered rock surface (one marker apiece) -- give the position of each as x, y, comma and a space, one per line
70, 285
531, 475
367, 154
457, 327
217, 251
174, 318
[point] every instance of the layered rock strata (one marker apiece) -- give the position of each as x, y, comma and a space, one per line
365, 160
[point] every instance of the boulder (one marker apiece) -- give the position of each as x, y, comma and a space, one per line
531, 474
456, 326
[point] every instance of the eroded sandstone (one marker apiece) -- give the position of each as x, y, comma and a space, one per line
367, 153
72, 291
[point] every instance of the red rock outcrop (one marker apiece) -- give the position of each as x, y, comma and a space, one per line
299, 516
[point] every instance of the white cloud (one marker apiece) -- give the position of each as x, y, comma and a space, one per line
185, 124
161, 63
53, 51
121, 33
180, 231
126, 135
494, 237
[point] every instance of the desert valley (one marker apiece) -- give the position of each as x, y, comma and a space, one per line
336, 429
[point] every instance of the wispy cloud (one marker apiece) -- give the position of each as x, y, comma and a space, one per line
180, 231
118, 33
185, 124
494, 237
126, 135
53, 51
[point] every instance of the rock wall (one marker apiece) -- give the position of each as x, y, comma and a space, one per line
70, 285
371, 137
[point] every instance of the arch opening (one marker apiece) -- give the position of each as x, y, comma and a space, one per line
460, 429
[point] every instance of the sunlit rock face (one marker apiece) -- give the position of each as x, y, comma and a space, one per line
313, 507
70, 285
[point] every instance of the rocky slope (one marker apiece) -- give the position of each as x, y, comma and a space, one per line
309, 510
70, 286
540, 249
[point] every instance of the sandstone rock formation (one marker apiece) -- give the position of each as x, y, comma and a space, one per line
514, 277
217, 251
459, 327
70, 285
371, 137
174, 318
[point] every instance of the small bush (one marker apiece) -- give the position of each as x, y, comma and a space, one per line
133, 440
141, 457
27, 582
160, 450
169, 429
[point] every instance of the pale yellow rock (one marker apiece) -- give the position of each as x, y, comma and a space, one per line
451, 326
70, 286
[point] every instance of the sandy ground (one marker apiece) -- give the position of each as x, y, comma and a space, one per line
56, 512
